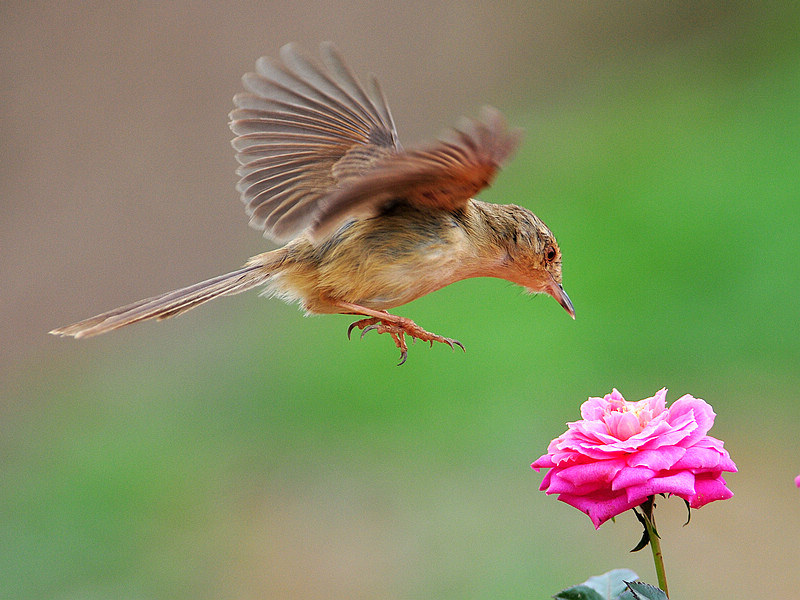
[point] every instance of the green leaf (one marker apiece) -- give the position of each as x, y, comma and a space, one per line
579, 592
607, 586
638, 590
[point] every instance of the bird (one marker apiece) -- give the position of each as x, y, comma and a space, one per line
366, 225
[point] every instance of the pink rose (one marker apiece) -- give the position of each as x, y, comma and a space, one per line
622, 452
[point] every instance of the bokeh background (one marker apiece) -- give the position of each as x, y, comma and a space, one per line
243, 451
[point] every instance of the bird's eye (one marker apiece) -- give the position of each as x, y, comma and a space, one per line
550, 254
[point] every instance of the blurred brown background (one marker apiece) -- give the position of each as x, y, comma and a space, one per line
247, 452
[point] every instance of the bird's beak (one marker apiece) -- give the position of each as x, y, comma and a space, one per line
557, 292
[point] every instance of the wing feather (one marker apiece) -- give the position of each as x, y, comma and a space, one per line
444, 176
294, 124
316, 148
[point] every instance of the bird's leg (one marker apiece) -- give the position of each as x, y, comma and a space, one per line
396, 326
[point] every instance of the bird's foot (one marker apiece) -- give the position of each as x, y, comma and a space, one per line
398, 328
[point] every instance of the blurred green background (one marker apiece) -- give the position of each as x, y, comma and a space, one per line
243, 451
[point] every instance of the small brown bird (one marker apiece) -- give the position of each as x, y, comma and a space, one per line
368, 226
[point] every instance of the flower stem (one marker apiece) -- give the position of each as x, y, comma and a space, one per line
655, 542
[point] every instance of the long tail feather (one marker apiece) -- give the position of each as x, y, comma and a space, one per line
169, 304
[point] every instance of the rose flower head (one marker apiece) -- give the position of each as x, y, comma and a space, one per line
620, 453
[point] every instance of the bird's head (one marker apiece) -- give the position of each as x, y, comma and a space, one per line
532, 257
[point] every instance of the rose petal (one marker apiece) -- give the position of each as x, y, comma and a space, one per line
680, 484
708, 490
623, 425
593, 409
697, 458
702, 414
662, 459
599, 508
543, 462
658, 402
632, 476
675, 433
590, 473
559, 485
546, 481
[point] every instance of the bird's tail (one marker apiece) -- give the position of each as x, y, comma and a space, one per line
256, 272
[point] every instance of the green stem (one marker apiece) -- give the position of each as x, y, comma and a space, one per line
655, 543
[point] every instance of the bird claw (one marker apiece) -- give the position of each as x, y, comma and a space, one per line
403, 357
451, 342
398, 327
369, 328
365, 324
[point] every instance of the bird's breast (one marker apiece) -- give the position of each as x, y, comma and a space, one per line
383, 263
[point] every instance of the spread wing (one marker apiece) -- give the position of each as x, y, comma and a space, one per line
304, 131
317, 149
444, 176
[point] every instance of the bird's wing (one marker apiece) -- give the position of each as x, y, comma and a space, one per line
444, 176
303, 132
